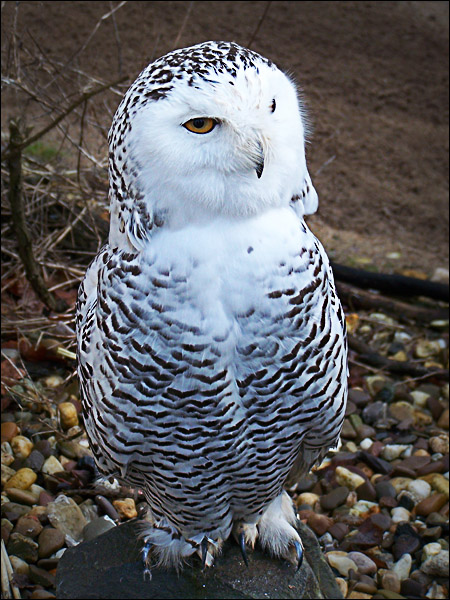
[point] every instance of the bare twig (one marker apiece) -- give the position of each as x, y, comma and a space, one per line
82, 98
368, 355
260, 22
183, 24
117, 36
32, 268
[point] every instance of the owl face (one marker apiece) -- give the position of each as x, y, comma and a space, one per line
219, 142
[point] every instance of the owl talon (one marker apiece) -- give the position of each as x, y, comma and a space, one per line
204, 547
243, 548
299, 551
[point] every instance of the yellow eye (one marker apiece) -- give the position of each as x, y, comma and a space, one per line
200, 125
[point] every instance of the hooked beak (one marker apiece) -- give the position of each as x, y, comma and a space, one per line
260, 161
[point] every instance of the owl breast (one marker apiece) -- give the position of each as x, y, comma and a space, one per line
221, 355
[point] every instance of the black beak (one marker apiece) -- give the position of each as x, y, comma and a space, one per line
260, 168
260, 164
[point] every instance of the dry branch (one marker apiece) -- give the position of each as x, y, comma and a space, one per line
19, 146
396, 285
356, 299
25, 246
369, 356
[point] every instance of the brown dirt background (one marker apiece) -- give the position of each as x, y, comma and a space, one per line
374, 77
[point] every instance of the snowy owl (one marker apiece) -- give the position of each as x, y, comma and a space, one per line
211, 343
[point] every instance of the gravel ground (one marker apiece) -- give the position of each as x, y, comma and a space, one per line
379, 504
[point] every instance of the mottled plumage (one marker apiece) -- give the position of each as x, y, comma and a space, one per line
212, 353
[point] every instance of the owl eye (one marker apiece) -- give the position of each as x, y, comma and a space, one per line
200, 125
273, 105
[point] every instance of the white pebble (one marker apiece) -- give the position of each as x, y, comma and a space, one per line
436, 564
420, 489
362, 507
403, 566
400, 514
419, 398
366, 443
393, 451
435, 592
52, 465
348, 478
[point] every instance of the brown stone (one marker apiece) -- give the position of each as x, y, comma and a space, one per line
50, 541
443, 420
338, 530
319, 523
29, 526
431, 504
9, 430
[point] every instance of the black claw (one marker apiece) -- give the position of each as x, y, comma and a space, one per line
299, 550
243, 548
204, 547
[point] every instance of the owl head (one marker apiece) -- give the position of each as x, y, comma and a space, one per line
210, 131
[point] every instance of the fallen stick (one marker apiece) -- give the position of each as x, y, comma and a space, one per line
355, 299
397, 285
367, 355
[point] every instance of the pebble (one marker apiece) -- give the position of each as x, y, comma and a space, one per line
439, 443
21, 446
340, 561
348, 479
348, 432
440, 484
385, 488
22, 479
96, 527
8, 431
402, 567
34, 461
435, 560
366, 443
420, 489
52, 465
127, 508
443, 420
400, 483
420, 398
335, 498
65, 514
68, 415
29, 526
23, 547
19, 565
304, 498
318, 523
50, 541
364, 563
391, 581
366, 491
393, 451
343, 586
401, 411
400, 514
411, 588
338, 530
41, 576
432, 504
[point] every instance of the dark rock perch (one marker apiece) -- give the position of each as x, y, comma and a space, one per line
110, 566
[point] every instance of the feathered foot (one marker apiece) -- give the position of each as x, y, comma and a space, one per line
277, 533
170, 549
